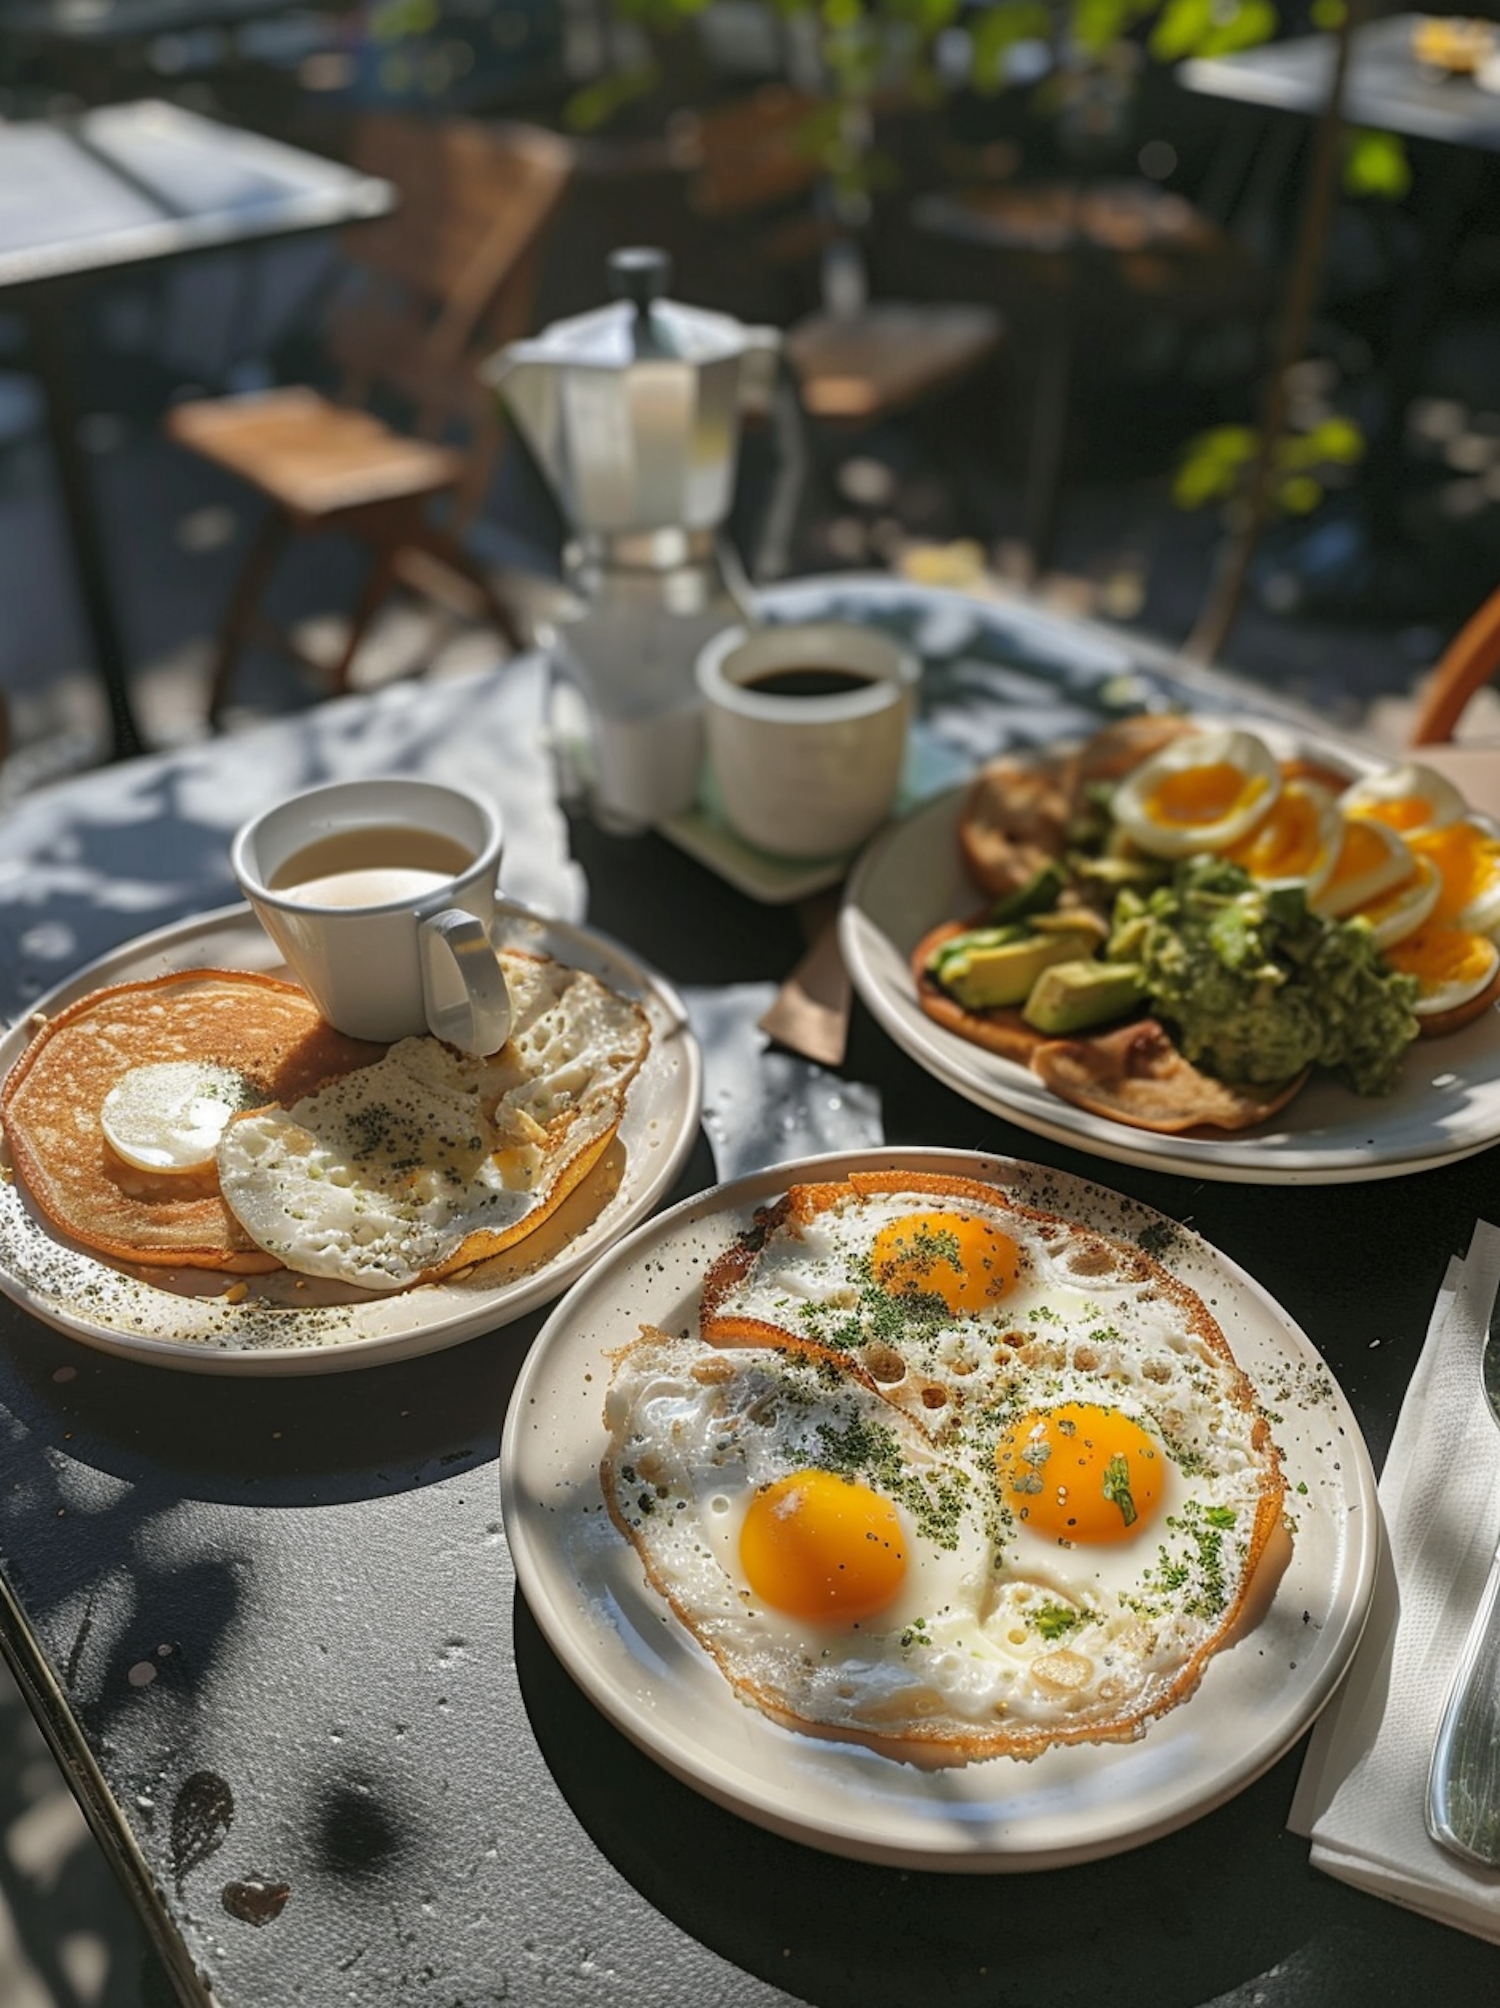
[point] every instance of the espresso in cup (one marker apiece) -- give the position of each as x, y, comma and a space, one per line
806, 724
380, 895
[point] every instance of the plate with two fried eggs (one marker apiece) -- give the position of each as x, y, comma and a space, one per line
939, 1510
199, 1173
1393, 852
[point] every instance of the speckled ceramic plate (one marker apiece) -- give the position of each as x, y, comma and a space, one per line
1446, 1105
621, 1643
283, 1324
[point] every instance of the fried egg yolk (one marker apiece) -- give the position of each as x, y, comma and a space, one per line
965, 1261
1080, 1472
819, 1546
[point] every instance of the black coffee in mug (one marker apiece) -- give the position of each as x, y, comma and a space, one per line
807, 680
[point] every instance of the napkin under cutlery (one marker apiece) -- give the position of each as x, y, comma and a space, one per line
1363, 1788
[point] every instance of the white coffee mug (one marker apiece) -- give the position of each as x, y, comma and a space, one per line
806, 725
380, 895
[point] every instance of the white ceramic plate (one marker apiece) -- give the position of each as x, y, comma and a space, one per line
1446, 1105
622, 1645
284, 1324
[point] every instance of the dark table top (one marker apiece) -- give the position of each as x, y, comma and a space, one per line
1386, 86
123, 184
272, 1625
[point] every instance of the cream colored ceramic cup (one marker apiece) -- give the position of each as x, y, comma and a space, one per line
809, 771
380, 895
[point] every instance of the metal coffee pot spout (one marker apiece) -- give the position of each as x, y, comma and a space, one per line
634, 414
633, 411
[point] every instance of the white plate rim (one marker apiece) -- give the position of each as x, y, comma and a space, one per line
878, 968
613, 1635
407, 1323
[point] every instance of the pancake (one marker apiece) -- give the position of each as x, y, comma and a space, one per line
266, 1030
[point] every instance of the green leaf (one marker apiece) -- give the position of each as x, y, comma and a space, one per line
1376, 163
1117, 1488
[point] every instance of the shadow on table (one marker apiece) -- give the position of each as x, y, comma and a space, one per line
1173, 1917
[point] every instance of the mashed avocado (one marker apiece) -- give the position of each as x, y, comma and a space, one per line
1256, 987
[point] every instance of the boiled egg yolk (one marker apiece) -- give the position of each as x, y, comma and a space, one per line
819, 1546
1409, 798
1372, 861
1450, 964
1080, 1472
1467, 857
966, 1262
1401, 912
1296, 842
1202, 792
169, 1117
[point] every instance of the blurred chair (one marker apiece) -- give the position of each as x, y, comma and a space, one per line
756, 174
424, 294
1465, 667
1463, 670
1082, 268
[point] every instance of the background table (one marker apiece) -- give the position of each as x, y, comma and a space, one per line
272, 1627
129, 185
1387, 89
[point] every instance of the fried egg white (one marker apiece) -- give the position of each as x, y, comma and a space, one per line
1202, 792
1025, 1448
430, 1159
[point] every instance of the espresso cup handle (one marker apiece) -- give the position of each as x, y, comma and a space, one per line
463, 984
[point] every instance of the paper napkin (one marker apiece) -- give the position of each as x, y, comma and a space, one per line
1363, 1790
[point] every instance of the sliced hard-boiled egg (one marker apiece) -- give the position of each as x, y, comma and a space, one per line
1467, 856
1372, 861
1297, 842
1402, 911
1452, 965
1409, 798
1201, 792
169, 1117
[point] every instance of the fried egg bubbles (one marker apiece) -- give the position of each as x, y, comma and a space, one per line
1452, 966
1080, 1472
169, 1117
1202, 792
1297, 842
783, 1508
852, 1574
968, 1263
1410, 799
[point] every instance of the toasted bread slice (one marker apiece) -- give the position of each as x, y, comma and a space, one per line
268, 1031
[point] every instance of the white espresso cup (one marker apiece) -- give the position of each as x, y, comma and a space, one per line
380, 895
806, 725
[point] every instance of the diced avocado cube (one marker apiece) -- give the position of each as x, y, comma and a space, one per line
991, 978
1076, 996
